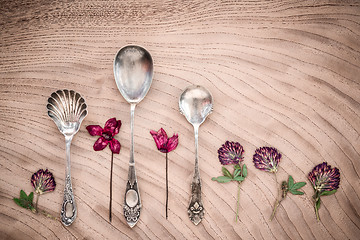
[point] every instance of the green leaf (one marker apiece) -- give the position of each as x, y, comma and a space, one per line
239, 179
30, 197
23, 195
244, 171
237, 172
19, 202
298, 185
317, 205
290, 182
295, 192
25, 201
226, 173
222, 179
327, 193
237, 166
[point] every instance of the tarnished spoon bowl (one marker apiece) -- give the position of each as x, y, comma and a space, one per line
133, 71
67, 109
196, 104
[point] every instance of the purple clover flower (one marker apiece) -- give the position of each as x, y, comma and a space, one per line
43, 181
230, 153
267, 159
325, 181
324, 178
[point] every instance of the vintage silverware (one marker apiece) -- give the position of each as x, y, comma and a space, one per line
133, 71
67, 109
196, 104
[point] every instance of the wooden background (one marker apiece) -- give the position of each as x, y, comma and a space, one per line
282, 74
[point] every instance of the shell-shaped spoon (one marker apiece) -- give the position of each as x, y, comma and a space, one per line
67, 108
196, 104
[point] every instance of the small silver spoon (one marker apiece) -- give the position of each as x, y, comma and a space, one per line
133, 71
196, 104
67, 109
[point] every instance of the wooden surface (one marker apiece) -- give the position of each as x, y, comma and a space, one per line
282, 74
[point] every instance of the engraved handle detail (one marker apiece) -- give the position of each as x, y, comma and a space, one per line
132, 202
68, 208
196, 208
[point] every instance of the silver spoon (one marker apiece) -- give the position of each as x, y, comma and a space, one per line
133, 71
196, 104
67, 109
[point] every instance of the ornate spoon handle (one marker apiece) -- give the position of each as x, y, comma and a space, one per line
132, 202
68, 208
196, 208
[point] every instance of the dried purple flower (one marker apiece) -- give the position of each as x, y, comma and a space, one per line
267, 159
163, 143
107, 134
325, 181
106, 137
324, 178
230, 153
43, 181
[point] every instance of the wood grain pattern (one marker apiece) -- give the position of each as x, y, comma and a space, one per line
282, 74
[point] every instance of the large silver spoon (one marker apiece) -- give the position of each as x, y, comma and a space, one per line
67, 109
196, 104
133, 70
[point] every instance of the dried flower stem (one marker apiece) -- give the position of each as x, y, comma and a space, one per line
111, 171
317, 213
238, 203
277, 202
48, 215
317, 198
167, 186
36, 203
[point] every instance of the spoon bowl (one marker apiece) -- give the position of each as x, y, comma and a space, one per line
133, 72
67, 109
196, 104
